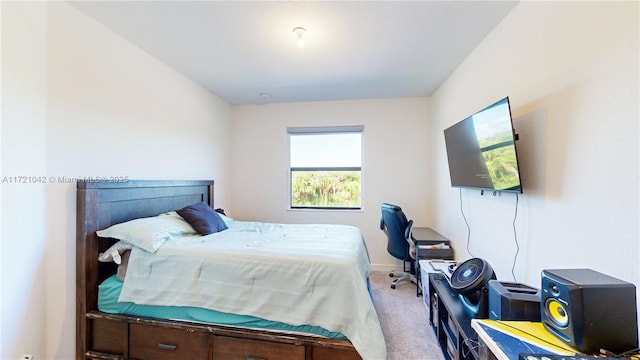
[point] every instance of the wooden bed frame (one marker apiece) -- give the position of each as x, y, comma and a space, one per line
106, 336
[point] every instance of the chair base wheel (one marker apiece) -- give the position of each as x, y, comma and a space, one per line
393, 286
390, 274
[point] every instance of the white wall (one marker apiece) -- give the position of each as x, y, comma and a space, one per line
571, 71
23, 227
78, 100
394, 163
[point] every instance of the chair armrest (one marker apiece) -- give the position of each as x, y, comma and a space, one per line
409, 238
407, 230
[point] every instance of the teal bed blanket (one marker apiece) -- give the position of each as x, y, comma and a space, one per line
109, 292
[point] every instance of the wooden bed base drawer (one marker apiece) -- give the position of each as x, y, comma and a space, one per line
335, 354
228, 348
152, 342
109, 337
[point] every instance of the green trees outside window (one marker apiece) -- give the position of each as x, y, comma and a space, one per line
325, 189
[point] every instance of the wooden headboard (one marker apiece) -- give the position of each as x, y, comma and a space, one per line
102, 204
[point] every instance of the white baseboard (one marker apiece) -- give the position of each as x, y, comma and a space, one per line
384, 267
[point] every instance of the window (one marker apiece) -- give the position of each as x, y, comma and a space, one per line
325, 167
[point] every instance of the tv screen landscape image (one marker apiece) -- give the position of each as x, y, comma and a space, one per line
481, 150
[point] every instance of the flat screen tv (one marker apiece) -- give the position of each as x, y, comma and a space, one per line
481, 150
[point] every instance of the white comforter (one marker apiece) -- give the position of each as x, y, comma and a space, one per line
296, 274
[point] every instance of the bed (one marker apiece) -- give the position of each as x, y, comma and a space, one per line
106, 330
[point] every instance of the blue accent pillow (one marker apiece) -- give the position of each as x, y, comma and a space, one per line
202, 218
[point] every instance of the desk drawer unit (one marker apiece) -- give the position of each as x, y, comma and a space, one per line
429, 245
150, 342
430, 250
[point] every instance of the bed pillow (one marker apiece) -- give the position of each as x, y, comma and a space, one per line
149, 233
227, 220
203, 218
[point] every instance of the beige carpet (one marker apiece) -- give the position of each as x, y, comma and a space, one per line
404, 320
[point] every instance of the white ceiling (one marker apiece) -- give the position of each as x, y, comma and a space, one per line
353, 50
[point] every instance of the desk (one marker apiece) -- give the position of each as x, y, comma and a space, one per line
425, 238
426, 234
505, 340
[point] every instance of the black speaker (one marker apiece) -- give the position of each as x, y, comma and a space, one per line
470, 280
589, 310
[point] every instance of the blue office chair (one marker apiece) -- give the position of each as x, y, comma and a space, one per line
400, 244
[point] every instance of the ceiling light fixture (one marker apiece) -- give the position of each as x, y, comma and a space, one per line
299, 31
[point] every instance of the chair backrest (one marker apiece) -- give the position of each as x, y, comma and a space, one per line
398, 229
